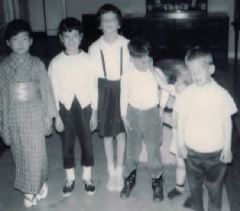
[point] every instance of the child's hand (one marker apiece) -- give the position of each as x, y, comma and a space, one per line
127, 125
48, 127
182, 151
59, 124
226, 156
93, 120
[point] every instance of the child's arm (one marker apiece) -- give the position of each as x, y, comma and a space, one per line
94, 102
226, 155
48, 100
53, 79
180, 125
162, 82
94, 98
124, 102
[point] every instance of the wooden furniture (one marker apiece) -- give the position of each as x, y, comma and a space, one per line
163, 6
171, 34
236, 27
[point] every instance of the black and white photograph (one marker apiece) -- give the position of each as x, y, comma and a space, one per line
119, 105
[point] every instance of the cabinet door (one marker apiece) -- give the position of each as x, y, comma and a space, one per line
133, 28
217, 39
189, 33
160, 35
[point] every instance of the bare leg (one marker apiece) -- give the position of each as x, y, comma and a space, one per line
108, 146
121, 146
180, 172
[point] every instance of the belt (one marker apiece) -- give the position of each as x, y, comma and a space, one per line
24, 91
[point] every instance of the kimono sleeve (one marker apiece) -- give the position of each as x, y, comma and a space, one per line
48, 98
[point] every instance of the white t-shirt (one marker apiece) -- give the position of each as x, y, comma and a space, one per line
72, 75
205, 109
139, 89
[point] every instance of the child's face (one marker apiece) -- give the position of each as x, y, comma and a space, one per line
142, 63
20, 43
200, 71
109, 23
71, 41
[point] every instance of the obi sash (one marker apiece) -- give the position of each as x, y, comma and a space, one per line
24, 91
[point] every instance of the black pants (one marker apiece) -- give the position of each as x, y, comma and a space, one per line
205, 168
77, 123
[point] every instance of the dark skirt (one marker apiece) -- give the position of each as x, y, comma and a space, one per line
109, 116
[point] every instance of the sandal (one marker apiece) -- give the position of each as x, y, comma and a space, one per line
43, 192
29, 200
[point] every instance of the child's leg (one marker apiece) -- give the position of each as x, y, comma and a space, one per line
82, 123
152, 138
121, 146
180, 179
133, 150
214, 174
108, 147
180, 174
68, 138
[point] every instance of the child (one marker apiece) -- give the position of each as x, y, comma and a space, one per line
72, 80
204, 127
140, 114
27, 107
111, 57
181, 78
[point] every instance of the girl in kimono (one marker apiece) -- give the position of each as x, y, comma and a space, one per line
110, 55
27, 107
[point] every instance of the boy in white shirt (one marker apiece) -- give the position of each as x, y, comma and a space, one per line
204, 125
140, 114
72, 80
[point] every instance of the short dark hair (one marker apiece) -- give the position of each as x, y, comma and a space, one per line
106, 8
138, 48
69, 24
172, 69
16, 26
198, 52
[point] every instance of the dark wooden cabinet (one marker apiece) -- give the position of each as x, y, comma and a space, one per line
170, 35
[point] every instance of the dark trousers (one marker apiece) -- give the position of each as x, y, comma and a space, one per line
77, 123
146, 126
205, 168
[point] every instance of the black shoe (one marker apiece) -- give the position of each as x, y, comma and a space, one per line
157, 186
129, 183
89, 187
174, 193
188, 203
68, 188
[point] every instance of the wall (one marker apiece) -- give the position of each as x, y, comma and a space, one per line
57, 9
36, 15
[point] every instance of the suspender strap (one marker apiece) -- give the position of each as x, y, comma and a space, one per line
103, 64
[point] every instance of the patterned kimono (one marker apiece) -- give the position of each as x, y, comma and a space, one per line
22, 123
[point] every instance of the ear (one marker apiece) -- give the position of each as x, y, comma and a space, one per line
212, 69
8, 43
31, 41
60, 37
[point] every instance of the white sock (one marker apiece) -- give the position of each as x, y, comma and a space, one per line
70, 174
119, 170
111, 169
87, 173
